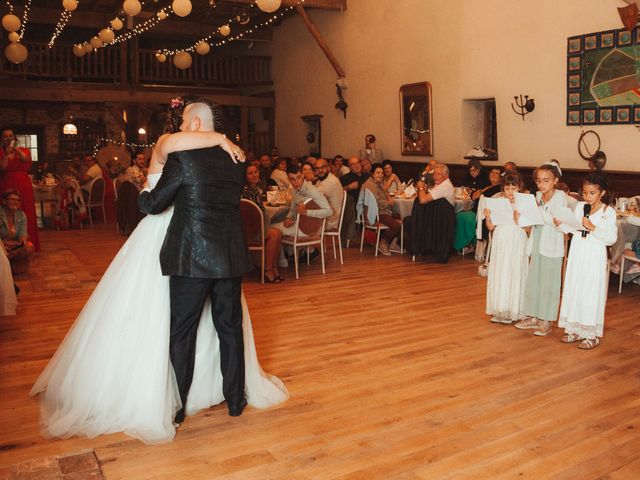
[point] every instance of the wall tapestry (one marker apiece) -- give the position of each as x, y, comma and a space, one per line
603, 78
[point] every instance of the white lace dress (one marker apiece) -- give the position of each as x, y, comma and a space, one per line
112, 372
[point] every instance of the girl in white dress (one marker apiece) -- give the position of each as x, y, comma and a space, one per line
508, 261
112, 372
587, 278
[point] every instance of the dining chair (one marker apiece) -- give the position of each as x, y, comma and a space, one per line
253, 230
313, 230
370, 207
96, 198
116, 185
623, 259
337, 232
128, 214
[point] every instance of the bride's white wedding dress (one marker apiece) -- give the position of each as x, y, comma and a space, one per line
112, 372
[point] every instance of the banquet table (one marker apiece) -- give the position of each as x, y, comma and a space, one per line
628, 231
274, 213
46, 193
403, 206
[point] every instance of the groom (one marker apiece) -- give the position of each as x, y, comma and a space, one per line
205, 254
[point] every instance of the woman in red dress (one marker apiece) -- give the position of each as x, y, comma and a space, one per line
14, 173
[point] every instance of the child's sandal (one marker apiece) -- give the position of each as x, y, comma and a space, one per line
589, 343
570, 338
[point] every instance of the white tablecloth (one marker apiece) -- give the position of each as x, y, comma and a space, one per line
403, 206
274, 214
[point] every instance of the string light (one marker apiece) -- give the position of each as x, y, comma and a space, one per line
25, 18
119, 143
65, 16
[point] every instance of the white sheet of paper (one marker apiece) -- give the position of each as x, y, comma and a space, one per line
501, 211
569, 221
410, 191
526, 205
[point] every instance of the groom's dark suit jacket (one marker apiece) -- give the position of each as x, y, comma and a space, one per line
204, 238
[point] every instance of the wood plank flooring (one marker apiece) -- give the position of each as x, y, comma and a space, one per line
394, 372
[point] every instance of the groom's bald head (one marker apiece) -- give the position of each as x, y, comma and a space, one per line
197, 116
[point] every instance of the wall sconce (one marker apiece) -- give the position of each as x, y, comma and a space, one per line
69, 128
525, 105
142, 131
341, 104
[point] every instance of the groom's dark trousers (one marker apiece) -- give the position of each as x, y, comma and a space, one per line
188, 296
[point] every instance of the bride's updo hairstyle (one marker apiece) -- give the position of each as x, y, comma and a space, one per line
174, 115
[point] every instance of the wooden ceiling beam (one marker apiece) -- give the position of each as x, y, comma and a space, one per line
81, 93
315, 33
340, 5
98, 21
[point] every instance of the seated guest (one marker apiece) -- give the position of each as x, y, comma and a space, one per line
301, 192
495, 177
338, 168
85, 177
476, 179
273, 236
309, 173
312, 161
391, 181
331, 188
510, 167
294, 161
137, 172
279, 175
13, 232
375, 184
432, 223
265, 168
351, 182
366, 166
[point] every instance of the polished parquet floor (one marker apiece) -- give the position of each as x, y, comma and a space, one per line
394, 373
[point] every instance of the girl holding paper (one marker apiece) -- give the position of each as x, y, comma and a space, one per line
542, 289
508, 259
587, 276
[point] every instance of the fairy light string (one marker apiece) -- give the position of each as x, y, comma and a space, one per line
135, 146
65, 16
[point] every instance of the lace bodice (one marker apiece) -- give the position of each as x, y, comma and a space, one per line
153, 179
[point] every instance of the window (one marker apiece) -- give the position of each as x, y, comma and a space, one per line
29, 141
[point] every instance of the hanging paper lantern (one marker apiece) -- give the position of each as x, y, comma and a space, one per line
131, 7
14, 37
268, 6
70, 5
10, 22
224, 30
107, 35
78, 51
202, 47
95, 42
87, 47
161, 57
162, 15
16, 53
182, 8
182, 60
117, 24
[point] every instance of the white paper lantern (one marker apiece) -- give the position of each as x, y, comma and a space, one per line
87, 47
107, 35
14, 37
269, 6
162, 15
131, 7
182, 8
224, 30
10, 22
70, 5
182, 60
78, 51
16, 53
117, 24
202, 47
95, 42
161, 57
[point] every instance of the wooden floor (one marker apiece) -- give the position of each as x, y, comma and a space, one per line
394, 373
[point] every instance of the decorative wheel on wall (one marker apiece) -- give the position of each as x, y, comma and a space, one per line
589, 149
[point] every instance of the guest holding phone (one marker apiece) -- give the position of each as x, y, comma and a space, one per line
13, 232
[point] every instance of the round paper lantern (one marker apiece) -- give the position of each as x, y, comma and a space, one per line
107, 35
182, 60
202, 47
182, 8
131, 7
224, 30
117, 24
161, 57
10, 22
268, 5
70, 5
87, 47
78, 51
14, 37
16, 52
95, 42
162, 15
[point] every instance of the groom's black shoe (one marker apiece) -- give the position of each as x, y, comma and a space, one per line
235, 409
179, 418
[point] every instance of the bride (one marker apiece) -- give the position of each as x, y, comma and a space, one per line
112, 372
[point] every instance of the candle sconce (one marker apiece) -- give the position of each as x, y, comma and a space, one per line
525, 105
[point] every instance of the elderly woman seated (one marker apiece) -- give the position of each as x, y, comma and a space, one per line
13, 232
273, 236
375, 184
